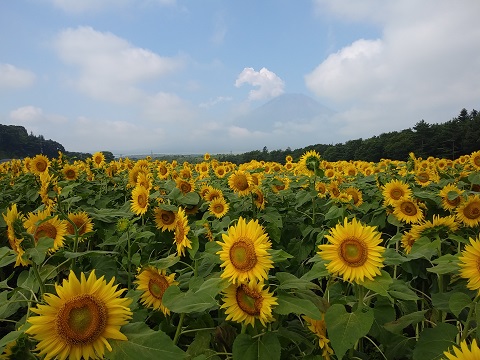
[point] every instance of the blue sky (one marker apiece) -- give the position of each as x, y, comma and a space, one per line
173, 76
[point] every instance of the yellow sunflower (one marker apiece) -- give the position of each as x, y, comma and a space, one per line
39, 164
82, 222
356, 195
14, 219
98, 159
408, 239
468, 261
248, 301
353, 251
258, 198
321, 188
78, 321
139, 201
464, 352
70, 172
164, 219
426, 177
206, 156
407, 210
280, 183
43, 224
245, 252
451, 197
181, 232
475, 159
395, 190
153, 282
468, 212
162, 170
184, 185
319, 328
310, 162
213, 193
241, 182
218, 207
220, 171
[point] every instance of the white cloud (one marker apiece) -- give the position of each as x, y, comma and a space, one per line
12, 77
109, 67
423, 65
168, 108
268, 83
212, 102
81, 6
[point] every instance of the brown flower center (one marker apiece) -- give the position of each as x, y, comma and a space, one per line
472, 211
241, 182
41, 165
242, 255
157, 286
249, 300
81, 320
353, 252
396, 193
45, 229
70, 174
408, 208
167, 217
142, 200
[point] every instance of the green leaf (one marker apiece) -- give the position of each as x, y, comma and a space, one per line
434, 341
459, 301
279, 255
72, 255
424, 248
197, 300
392, 257
144, 344
11, 336
288, 304
379, 284
318, 271
334, 212
39, 251
401, 323
266, 347
345, 329
400, 290
446, 264
7, 256
290, 281
165, 263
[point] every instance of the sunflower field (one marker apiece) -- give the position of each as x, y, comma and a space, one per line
306, 259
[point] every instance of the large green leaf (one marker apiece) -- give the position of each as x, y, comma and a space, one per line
288, 304
379, 284
345, 329
266, 347
144, 344
401, 323
434, 341
40, 250
458, 302
290, 281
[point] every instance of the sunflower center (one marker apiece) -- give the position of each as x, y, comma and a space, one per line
453, 202
353, 252
472, 211
162, 170
41, 166
242, 255
70, 174
185, 187
157, 286
249, 300
167, 218
142, 200
408, 208
423, 177
241, 182
476, 160
218, 208
396, 194
81, 320
45, 230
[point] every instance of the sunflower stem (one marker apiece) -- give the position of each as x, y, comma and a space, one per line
129, 262
469, 319
39, 279
179, 329
244, 329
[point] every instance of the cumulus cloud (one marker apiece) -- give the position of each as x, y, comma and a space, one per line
422, 66
76, 6
12, 77
268, 83
109, 67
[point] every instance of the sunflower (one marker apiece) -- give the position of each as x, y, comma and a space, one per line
139, 201
248, 301
153, 282
14, 220
475, 159
162, 170
426, 177
258, 198
468, 262
164, 219
288, 158
321, 188
82, 222
98, 159
220, 171
218, 207
469, 211
70, 172
145, 179
451, 197
407, 210
43, 224
408, 239
181, 232
206, 156
245, 252
241, 182
79, 320
319, 328
213, 193
280, 183
353, 251
39, 164
395, 190
309, 162
184, 185
356, 195
464, 353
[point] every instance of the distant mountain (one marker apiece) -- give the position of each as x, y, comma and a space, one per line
285, 108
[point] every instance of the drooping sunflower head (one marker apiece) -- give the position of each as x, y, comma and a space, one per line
14, 220
78, 321
353, 251
395, 190
241, 182
246, 302
39, 164
244, 253
139, 201
319, 328
310, 162
153, 282
407, 210
83, 223
468, 212
258, 198
218, 207
164, 219
181, 232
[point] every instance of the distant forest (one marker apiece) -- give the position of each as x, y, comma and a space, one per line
449, 140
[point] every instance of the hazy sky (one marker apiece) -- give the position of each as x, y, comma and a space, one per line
171, 76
